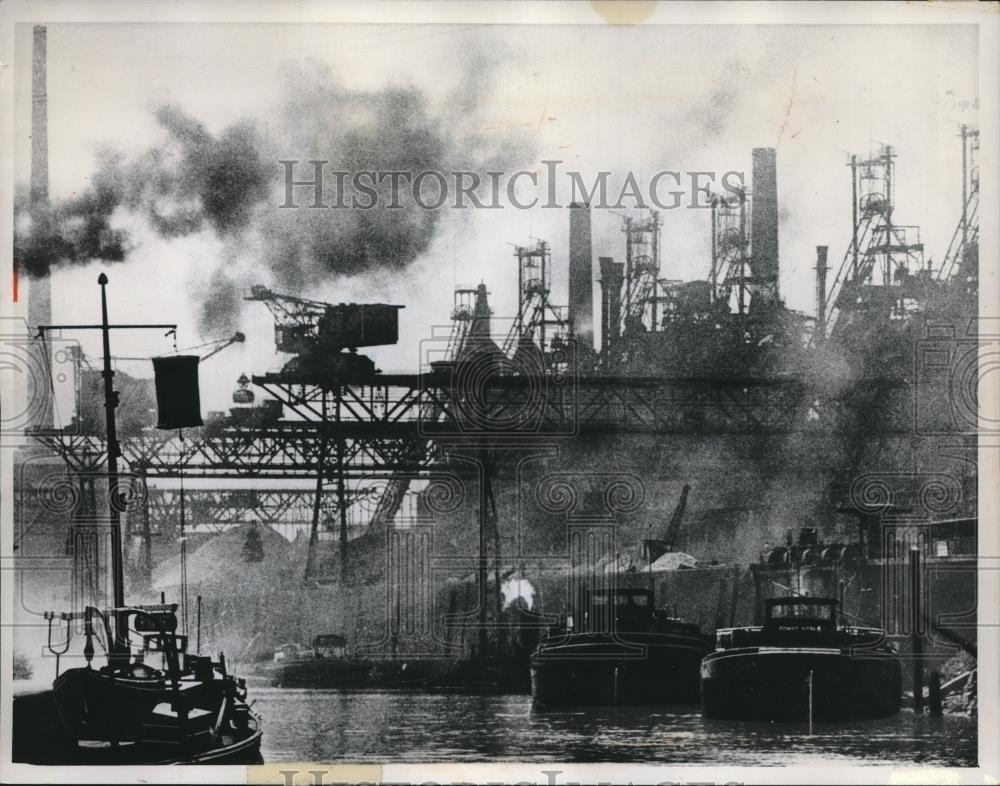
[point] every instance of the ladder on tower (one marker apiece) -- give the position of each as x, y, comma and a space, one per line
637, 297
846, 272
524, 326
960, 242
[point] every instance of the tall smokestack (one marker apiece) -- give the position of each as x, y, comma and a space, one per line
39, 288
821, 269
39, 120
764, 219
581, 274
612, 275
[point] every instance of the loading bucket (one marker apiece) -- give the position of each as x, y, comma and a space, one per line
178, 400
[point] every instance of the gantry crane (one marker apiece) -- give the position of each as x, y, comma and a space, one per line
295, 318
318, 333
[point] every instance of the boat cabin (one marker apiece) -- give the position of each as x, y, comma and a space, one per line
618, 609
800, 622
291, 651
329, 645
799, 614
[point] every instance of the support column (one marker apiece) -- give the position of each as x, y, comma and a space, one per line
916, 625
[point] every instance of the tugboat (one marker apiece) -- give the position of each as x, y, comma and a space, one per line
801, 664
622, 651
187, 709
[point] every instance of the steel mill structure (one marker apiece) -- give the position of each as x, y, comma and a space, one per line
692, 381
713, 373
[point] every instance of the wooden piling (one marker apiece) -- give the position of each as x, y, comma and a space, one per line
917, 648
810, 702
720, 604
758, 596
734, 599
934, 697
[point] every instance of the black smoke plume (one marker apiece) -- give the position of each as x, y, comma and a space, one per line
192, 180
75, 231
394, 129
200, 179
231, 185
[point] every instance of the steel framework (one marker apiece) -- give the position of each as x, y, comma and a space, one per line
966, 235
535, 314
884, 257
380, 429
730, 251
642, 271
218, 509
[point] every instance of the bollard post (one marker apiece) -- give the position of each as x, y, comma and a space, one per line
810, 702
917, 648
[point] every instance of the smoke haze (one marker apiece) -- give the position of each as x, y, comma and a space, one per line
231, 185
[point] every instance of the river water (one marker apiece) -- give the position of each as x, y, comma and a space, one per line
398, 726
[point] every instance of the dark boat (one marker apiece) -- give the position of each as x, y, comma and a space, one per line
325, 665
801, 664
153, 702
621, 651
186, 709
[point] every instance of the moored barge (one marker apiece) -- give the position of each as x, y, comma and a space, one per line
801, 664
622, 652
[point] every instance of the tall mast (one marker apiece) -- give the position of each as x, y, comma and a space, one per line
120, 644
110, 403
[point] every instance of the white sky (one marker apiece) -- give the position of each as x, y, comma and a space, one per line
599, 98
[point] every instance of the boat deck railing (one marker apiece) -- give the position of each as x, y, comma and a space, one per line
731, 638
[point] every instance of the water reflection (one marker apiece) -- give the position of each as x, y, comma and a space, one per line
326, 725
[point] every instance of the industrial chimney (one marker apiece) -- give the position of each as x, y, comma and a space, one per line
764, 221
39, 287
39, 120
821, 268
612, 275
581, 275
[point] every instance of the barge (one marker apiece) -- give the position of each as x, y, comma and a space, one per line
801, 664
622, 652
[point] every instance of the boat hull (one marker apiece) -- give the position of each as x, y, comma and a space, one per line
309, 673
40, 738
499, 675
601, 670
350, 673
96, 706
765, 683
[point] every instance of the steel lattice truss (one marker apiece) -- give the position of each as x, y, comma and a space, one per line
223, 508
375, 429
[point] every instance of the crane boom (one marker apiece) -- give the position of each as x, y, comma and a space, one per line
287, 308
674, 527
236, 338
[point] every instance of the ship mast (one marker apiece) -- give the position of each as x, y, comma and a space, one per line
120, 644
114, 450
